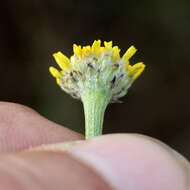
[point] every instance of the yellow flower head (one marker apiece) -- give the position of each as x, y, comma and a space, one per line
96, 66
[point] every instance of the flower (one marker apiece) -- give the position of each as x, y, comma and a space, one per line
96, 67
97, 75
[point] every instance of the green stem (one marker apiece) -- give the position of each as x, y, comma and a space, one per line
95, 102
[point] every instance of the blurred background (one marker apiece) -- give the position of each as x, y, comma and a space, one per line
157, 105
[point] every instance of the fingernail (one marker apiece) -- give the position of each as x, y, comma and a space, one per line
131, 162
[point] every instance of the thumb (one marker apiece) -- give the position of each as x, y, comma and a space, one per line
133, 162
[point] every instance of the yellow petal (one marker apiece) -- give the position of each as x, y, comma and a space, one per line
96, 46
135, 70
128, 65
102, 49
62, 61
108, 45
77, 50
55, 73
58, 80
85, 50
116, 54
129, 53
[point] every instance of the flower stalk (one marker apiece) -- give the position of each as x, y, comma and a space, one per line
95, 102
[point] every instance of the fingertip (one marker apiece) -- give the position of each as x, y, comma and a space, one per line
135, 161
129, 161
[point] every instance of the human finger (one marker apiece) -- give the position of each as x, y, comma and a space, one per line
131, 161
21, 128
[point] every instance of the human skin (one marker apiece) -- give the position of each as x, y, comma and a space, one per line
39, 154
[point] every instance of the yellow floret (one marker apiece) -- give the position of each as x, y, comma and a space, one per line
86, 49
116, 53
129, 53
127, 65
55, 73
108, 45
62, 61
77, 50
96, 46
58, 80
135, 70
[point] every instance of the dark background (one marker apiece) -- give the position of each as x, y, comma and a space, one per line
158, 104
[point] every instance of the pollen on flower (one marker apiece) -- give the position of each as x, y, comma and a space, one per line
96, 66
